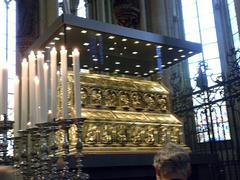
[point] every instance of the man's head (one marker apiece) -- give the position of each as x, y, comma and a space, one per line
9, 173
172, 162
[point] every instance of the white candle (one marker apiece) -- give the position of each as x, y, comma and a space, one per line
1, 91
16, 106
53, 61
45, 70
76, 70
38, 99
24, 95
63, 54
4, 87
32, 98
43, 108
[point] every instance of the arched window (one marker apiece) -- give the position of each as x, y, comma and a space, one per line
8, 48
199, 24
81, 9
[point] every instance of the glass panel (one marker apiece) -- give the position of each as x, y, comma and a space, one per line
210, 51
236, 41
207, 22
214, 66
209, 36
81, 9
234, 25
211, 56
232, 11
204, 7
190, 11
193, 36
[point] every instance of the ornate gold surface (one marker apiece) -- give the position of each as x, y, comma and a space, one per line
123, 115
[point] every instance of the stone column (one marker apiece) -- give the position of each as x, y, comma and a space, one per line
48, 13
143, 23
101, 11
27, 27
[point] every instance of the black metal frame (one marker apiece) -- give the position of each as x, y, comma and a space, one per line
227, 151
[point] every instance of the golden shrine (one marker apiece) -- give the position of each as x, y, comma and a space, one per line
125, 113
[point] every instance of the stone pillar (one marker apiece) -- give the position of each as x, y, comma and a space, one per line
143, 23
101, 11
27, 27
48, 13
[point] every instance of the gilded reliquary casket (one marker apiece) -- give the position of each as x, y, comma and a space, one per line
123, 115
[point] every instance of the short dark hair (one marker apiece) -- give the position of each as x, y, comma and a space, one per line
173, 158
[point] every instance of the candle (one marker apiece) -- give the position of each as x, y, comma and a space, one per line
1, 94
38, 99
63, 54
54, 80
43, 108
16, 106
32, 74
76, 70
45, 70
24, 95
4, 89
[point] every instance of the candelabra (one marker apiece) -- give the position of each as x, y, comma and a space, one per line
5, 127
37, 153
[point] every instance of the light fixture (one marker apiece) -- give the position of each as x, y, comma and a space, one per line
84, 31
69, 55
93, 55
151, 71
117, 62
124, 47
145, 74
106, 69
170, 48
61, 33
136, 42
163, 66
159, 46
88, 50
111, 37
169, 62
85, 65
106, 56
180, 50
47, 47
117, 70
156, 56
121, 54
136, 73
115, 43
176, 59
190, 52
96, 67
111, 48
138, 65
126, 71
98, 44
148, 44
183, 56
98, 34
68, 28
95, 59
134, 52
52, 43
56, 38
124, 40
156, 68
86, 44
